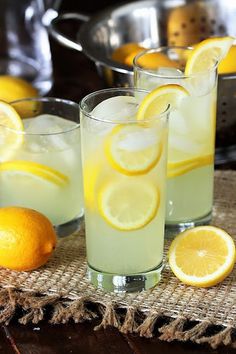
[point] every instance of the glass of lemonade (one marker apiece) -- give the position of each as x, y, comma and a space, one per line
124, 173
41, 164
191, 143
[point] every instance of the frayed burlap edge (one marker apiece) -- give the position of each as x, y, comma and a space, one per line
33, 308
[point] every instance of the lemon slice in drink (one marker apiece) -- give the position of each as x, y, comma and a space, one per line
29, 169
207, 53
10, 125
92, 171
202, 256
179, 163
128, 204
132, 149
157, 101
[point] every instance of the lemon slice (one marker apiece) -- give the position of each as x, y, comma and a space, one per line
180, 167
132, 149
197, 160
202, 256
207, 53
10, 138
91, 171
128, 205
34, 170
157, 101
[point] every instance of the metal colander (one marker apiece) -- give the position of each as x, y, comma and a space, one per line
155, 23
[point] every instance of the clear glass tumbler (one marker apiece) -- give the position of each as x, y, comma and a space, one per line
191, 143
124, 174
41, 164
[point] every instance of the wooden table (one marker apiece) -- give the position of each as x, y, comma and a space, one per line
75, 76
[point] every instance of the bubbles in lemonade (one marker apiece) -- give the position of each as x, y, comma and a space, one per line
44, 172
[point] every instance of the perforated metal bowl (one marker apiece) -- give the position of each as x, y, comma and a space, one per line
155, 23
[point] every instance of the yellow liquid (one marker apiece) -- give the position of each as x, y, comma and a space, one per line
185, 202
108, 248
60, 203
190, 147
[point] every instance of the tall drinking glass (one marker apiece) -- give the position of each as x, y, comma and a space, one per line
41, 163
191, 143
124, 172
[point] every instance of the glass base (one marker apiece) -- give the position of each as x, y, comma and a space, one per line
69, 227
173, 229
124, 283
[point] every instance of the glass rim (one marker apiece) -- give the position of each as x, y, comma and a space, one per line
117, 89
136, 66
42, 99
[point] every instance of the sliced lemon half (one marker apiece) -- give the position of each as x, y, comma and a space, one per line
202, 256
30, 169
11, 128
132, 149
157, 101
129, 204
207, 53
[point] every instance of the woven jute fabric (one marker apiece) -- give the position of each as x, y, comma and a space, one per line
61, 292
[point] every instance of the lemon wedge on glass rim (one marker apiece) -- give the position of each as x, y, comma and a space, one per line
11, 131
202, 256
207, 54
155, 103
158, 100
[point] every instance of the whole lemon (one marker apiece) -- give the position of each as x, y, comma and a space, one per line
121, 53
157, 60
27, 238
14, 88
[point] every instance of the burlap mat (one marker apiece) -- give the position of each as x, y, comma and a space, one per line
60, 291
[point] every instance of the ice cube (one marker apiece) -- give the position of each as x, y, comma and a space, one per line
184, 144
178, 124
119, 108
169, 72
47, 124
110, 111
159, 77
202, 84
138, 140
48, 132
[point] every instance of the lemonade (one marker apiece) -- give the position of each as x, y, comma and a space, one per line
191, 141
124, 170
41, 166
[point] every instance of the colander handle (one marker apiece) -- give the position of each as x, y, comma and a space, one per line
59, 36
